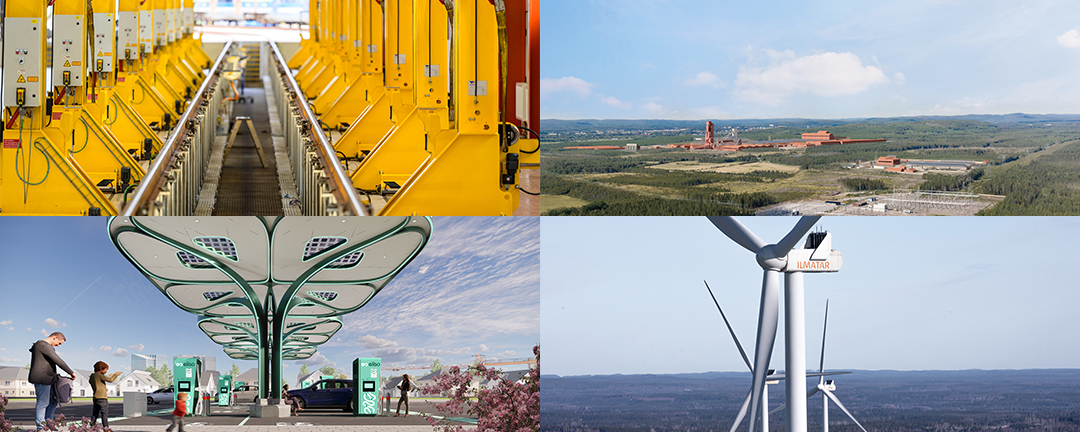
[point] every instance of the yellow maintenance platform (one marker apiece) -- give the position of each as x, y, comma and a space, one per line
385, 107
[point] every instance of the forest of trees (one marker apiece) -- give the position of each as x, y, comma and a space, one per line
862, 184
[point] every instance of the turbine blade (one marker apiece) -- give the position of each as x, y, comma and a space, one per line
732, 331
824, 328
792, 238
736, 231
778, 409
767, 322
837, 402
813, 392
742, 412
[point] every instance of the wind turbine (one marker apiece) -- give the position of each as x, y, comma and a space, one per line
816, 256
826, 387
772, 378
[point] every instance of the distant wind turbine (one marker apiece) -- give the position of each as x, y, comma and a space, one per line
826, 387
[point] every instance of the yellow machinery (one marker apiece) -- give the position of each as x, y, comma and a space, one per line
112, 53
376, 121
477, 171
71, 139
38, 171
426, 124
443, 148
73, 124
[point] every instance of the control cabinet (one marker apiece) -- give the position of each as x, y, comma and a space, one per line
104, 38
146, 31
68, 36
22, 62
127, 41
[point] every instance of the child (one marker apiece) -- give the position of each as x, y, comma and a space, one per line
101, 393
179, 413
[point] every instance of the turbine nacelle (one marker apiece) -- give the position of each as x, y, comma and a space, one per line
817, 256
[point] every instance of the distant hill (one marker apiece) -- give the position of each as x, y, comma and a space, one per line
899, 401
558, 126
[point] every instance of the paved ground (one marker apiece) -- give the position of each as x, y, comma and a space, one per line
235, 419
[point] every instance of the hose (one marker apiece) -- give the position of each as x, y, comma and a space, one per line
525, 191
86, 127
534, 134
48, 165
130, 119
126, 190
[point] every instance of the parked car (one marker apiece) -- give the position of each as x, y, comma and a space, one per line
161, 395
331, 393
247, 392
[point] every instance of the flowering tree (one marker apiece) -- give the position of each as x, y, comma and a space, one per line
506, 407
51, 424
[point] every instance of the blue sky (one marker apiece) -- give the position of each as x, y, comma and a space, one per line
625, 295
676, 59
473, 290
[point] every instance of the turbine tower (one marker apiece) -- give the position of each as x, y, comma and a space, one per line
816, 256
826, 387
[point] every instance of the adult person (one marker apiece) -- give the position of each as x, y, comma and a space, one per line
405, 386
43, 363
291, 400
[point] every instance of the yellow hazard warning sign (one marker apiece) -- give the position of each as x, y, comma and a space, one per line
99, 54
21, 80
67, 63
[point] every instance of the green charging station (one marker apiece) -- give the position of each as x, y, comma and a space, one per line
224, 394
367, 373
186, 380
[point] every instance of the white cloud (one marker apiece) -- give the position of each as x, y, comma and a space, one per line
372, 342
44, 332
54, 323
423, 269
138, 347
7, 322
317, 361
105, 348
508, 353
483, 348
705, 79
1070, 39
29, 329
11, 328
899, 78
565, 84
3, 349
120, 352
652, 107
8, 360
609, 100
827, 74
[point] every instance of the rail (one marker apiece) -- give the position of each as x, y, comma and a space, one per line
324, 186
174, 182
171, 187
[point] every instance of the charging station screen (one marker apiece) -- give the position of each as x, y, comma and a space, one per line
185, 386
369, 386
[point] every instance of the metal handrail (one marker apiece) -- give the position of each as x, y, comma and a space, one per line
149, 188
342, 186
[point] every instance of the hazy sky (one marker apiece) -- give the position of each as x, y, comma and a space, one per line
818, 59
625, 295
473, 290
